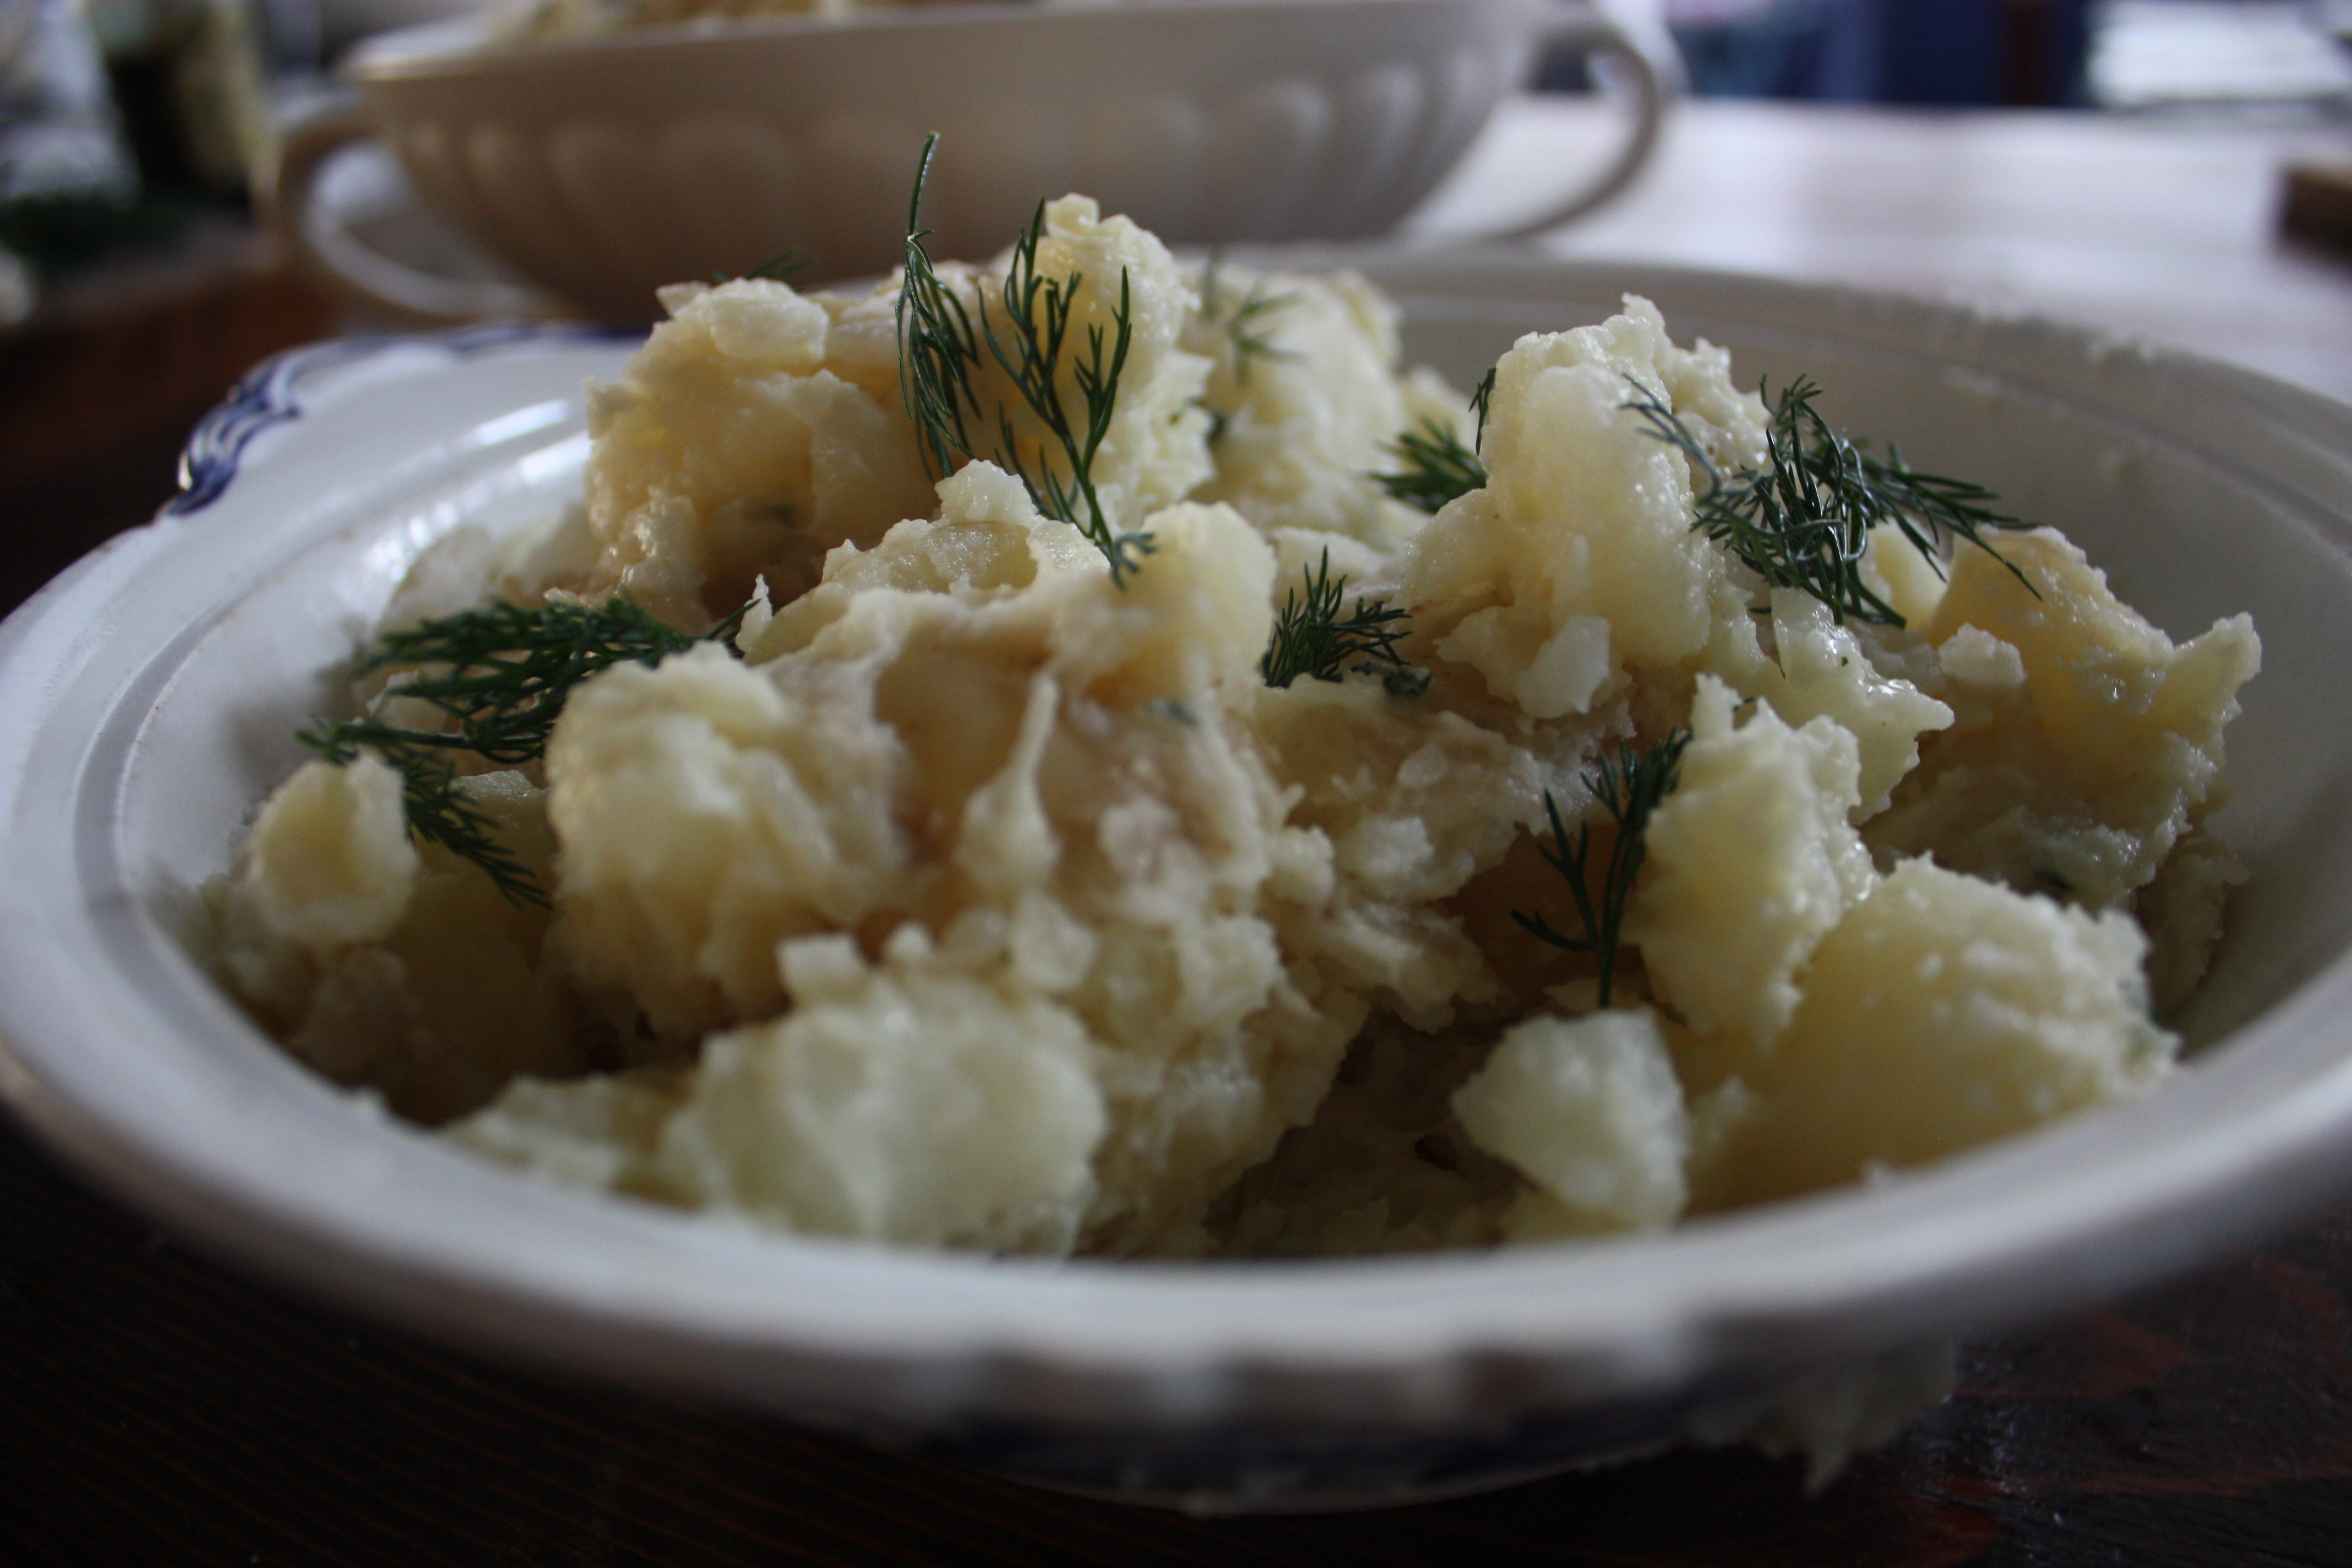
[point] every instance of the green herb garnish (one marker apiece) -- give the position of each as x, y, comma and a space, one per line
940, 344
1311, 637
938, 349
1803, 521
1244, 327
503, 672
501, 675
1038, 321
1434, 468
775, 269
1629, 787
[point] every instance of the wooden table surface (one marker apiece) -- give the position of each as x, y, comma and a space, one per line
155, 1408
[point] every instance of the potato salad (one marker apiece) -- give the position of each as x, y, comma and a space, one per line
1083, 753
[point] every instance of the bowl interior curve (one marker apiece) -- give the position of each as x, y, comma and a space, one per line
159, 684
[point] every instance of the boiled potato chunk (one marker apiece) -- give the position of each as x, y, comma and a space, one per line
1588, 1109
1943, 1012
1751, 864
2079, 756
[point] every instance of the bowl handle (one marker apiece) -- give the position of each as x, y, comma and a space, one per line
1654, 74
285, 189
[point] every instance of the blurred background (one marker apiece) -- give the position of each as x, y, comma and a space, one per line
133, 278
2204, 57
135, 282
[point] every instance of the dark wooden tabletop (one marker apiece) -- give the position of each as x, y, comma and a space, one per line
156, 1408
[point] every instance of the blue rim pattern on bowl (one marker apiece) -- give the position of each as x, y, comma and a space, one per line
265, 395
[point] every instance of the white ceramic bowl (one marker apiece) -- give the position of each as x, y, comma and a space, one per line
604, 168
152, 689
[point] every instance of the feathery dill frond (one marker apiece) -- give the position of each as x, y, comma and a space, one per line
1037, 316
499, 675
1312, 637
1251, 337
776, 268
1803, 521
1244, 325
942, 345
1434, 468
1629, 786
782, 266
938, 349
502, 673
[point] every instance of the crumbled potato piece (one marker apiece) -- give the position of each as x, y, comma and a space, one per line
1941, 1013
908, 1103
1820, 669
1590, 1110
443, 993
2180, 911
1307, 403
2080, 776
1752, 863
1580, 557
729, 450
330, 861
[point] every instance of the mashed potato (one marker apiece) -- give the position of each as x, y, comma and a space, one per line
962, 894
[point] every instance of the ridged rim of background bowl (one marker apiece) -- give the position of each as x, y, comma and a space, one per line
293, 1179
464, 46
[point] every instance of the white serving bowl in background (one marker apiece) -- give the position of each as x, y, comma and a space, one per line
603, 168
153, 689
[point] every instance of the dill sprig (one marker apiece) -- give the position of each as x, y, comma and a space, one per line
1433, 467
1803, 521
1245, 325
1311, 637
502, 673
1629, 787
1037, 312
776, 268
1212, 273
942, 345
938, 348
499, 675
1251, 338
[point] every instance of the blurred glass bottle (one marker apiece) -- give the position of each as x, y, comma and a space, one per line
61, 149
188, 78
57, 130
